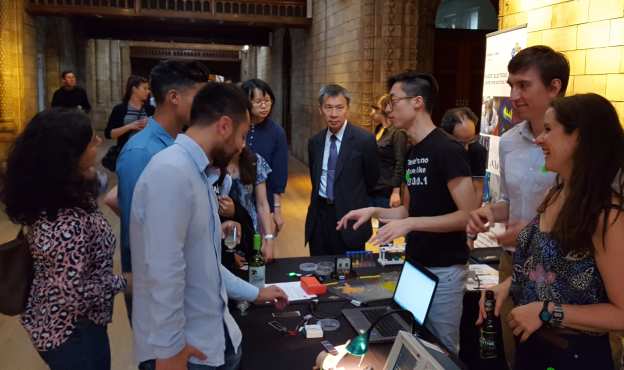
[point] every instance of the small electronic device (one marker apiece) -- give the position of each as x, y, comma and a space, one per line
409, 352
343, 266
329, 347
278, 326
311, 285
391, 254
286, 314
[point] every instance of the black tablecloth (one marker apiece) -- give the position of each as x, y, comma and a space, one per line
266, 348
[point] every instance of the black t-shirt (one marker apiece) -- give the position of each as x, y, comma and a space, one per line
430, 165
477, 155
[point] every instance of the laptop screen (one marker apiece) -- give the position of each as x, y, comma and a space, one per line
414, 291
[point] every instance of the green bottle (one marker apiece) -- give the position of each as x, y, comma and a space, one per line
257, 267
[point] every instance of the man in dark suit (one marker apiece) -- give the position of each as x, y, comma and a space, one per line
344, 169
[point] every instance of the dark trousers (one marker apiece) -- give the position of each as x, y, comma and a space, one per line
86, 349
326, 240
572, 351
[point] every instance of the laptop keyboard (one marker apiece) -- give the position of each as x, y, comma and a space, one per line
388, 326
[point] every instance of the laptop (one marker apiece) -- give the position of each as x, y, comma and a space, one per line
414, 293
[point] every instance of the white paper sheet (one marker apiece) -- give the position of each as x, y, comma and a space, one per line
294, 291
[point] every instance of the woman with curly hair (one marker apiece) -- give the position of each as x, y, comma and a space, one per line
50, 187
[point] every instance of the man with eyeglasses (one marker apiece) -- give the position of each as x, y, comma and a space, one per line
344, 168
437, 199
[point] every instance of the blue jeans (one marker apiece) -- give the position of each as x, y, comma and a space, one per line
87, 348
446, 309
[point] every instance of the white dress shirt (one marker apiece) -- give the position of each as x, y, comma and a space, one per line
524, 182
339, 134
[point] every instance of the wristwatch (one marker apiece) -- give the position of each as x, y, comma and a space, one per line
269, 237
545, 315
557, 315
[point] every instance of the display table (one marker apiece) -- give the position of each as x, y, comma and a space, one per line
266, 348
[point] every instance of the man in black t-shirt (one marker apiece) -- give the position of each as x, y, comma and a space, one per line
70, 95
437, 198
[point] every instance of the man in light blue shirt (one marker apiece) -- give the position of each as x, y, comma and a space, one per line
174, 84
180, 314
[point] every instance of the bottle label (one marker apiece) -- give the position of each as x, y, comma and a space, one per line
487, 342
257, 276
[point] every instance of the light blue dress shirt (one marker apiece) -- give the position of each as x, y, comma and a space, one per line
180, 288
339, 135
524, 183
132, 160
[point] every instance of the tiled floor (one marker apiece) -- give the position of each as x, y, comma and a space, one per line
16, 351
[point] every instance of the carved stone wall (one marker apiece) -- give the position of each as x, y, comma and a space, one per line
355, 43
18, 88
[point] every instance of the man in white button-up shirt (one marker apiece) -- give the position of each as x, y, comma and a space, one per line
180, 315
537, 75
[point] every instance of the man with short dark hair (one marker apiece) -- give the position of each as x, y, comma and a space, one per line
174, 85
344, 168
70, 95
181, 317
537, 75
437, 199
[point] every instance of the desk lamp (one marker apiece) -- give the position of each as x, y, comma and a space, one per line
358, 346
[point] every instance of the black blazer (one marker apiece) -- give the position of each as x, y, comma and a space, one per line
357, 172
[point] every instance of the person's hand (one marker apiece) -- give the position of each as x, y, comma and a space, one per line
267, 250
273, 294
180, 360
395, 199
480, 221
239, 261
501, 292
226, 207
139, 124
391, 230
360, 216
524, 320
278, 220
226, 228
510, 236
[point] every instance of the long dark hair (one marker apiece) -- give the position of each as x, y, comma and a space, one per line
133, 81
598, 158
42, 168
247, 169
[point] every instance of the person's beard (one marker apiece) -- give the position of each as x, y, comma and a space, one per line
220, 158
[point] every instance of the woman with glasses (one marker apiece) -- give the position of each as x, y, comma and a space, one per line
391, 147
268, 139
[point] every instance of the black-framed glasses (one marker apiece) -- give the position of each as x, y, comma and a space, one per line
396, 99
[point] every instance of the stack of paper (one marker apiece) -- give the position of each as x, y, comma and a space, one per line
294, 291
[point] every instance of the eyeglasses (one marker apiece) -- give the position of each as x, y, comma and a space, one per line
266, 102
396, 99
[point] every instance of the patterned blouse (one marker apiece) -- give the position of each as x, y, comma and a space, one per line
73, 275
245, 195
541, 272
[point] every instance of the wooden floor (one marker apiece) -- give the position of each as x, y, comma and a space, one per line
16, 351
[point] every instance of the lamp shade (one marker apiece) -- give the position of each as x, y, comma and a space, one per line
358, 345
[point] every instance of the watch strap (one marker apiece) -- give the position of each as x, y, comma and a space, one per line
557, 315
